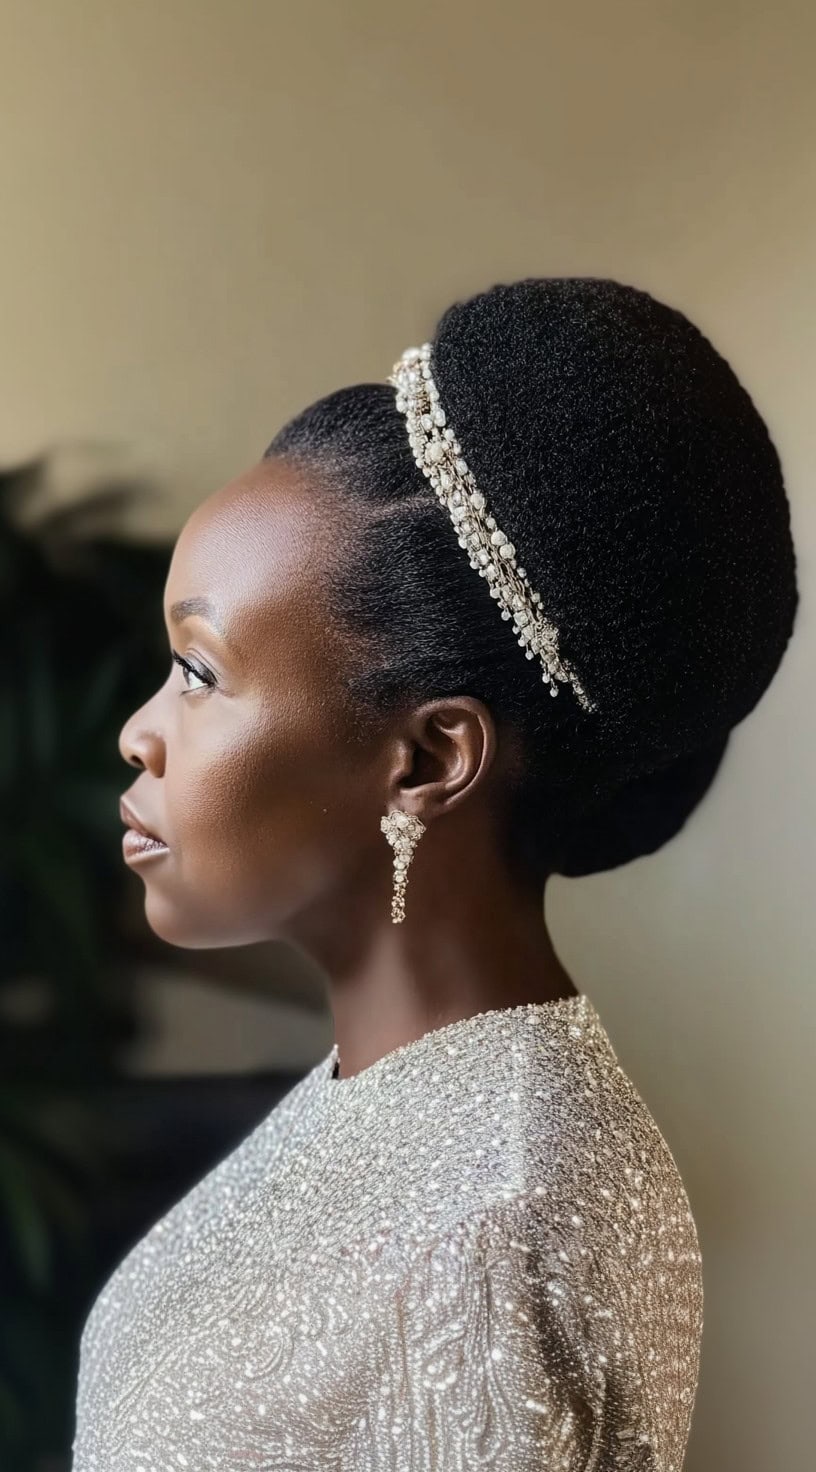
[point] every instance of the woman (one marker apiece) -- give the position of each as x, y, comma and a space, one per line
460, 1240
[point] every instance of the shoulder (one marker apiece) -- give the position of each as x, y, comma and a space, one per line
574, 1323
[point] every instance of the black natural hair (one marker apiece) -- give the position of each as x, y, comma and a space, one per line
633, 473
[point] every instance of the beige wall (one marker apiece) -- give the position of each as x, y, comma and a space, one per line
214, 211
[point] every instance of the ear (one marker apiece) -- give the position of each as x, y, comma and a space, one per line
444, 751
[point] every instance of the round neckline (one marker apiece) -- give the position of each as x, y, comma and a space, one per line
579, 1004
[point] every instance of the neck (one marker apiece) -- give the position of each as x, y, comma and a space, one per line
415, 978
474, 939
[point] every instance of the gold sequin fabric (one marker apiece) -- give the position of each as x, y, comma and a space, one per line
477, 1252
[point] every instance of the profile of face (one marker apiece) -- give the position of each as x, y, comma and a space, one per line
248, 768
265, 792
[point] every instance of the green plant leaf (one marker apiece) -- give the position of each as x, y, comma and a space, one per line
25, 1218
51, 864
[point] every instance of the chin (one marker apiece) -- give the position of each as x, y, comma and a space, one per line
187, 932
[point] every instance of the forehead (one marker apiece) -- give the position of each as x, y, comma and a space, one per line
258, 549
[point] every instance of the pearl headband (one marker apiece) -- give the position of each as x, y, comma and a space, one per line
439, 456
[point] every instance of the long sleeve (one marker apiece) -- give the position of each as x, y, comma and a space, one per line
481, 1355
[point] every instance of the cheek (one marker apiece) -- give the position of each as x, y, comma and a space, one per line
224, 798
260, 820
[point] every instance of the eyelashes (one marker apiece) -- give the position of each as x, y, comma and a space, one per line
206, 678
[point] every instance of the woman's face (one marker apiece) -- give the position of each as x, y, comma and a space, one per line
249, 770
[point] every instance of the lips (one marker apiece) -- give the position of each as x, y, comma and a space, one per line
139, 839
135, 845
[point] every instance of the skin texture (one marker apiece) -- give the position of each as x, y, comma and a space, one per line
269, 797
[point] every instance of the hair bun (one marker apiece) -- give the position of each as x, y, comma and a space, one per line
624, 459
643, 814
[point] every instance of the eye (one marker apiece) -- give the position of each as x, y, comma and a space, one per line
204, 677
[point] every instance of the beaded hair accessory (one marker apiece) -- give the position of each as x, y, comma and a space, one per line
439, 456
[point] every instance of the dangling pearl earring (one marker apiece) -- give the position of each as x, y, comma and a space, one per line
403, 831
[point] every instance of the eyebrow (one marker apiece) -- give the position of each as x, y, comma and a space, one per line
190, 607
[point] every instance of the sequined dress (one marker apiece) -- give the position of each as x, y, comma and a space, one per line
477, 1252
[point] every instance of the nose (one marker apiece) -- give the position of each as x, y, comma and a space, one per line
141, 742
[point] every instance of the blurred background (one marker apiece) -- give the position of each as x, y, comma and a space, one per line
211, 213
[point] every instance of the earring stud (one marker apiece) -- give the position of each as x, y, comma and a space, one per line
403, 831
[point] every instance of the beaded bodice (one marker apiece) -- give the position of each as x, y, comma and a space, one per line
477, 1252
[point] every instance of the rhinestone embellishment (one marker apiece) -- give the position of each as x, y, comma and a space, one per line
403, 831
438, 454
